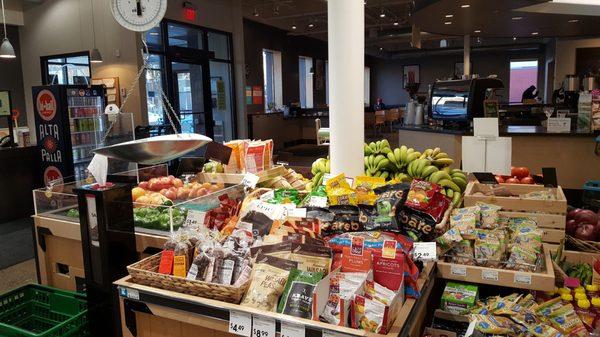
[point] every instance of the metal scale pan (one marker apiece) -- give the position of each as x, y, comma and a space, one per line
155, 150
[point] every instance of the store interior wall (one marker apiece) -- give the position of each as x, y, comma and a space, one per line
566, 51
386, 74
258, 36
11, 78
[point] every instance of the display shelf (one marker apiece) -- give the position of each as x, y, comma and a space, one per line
543, 280
143, 302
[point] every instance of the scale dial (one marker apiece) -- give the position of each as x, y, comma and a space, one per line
138, 15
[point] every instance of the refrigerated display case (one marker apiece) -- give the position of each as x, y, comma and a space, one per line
70, 124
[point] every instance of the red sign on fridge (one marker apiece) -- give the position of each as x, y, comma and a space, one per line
46, 105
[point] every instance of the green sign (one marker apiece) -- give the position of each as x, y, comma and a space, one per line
4, 103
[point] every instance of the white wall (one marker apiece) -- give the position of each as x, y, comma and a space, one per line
565, 56
63, 26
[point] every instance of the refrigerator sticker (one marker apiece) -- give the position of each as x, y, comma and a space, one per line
46, 105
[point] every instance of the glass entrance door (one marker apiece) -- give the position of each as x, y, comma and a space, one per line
190, 97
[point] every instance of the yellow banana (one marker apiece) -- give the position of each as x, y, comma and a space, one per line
441, 155
435, 152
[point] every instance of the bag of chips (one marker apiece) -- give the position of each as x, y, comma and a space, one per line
421, 194
364, 186
369, 315
268, 279
297, 298
345, 219
312, 258
416, 225
389, 201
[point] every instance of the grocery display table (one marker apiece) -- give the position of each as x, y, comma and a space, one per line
148, 311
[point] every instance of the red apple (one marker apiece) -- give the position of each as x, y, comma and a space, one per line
527, 180
571, 227
586, 232
500, 179
519, 172
513, 180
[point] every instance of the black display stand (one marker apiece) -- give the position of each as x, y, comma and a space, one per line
108, 242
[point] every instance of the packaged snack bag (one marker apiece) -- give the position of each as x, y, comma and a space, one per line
489, 215
465, 223
522, 258
388, 271
566, 320
255, 157
493, 325
342, 289
416, 225
448, 240
312, 258
370, 315
488, 249
338, 181
364, 186
375, 291
345, 219
342, 196
463, 253
421, 194
268, 279
389, 201
282, 250
297, 298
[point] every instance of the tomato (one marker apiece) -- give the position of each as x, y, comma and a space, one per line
144, 185
500, 179
527, 180
513, 180
519, 172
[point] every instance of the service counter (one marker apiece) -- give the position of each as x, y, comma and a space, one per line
285, 130
19, 175
572, 154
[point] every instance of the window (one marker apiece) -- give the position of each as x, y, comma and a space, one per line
185, 36
219, 44
305, 72
71, 68
523, 74
154, 85
367, 86
272, 79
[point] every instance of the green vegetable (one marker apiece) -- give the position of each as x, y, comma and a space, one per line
581, 271
73, 213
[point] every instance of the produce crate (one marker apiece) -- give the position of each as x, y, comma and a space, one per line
591, 194
236, 178
39, 311
475, 193
553, 225
543, 280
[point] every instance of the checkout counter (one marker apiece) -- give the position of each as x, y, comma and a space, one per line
18, 176
571, 153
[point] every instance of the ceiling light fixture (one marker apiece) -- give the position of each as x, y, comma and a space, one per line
517, 17
255, 12
382, 14
478, 31
294, 27
380, 48
6, 49
449, 15
534, 33
396, 23
311, 25
276, 10
95, 56
448, 22
465, 6
573, 20
514, 38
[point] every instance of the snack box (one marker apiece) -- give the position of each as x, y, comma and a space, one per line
459, 297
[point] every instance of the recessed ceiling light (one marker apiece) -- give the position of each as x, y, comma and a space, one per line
478, 31
573, 21
396, 23
449, 15
448, 22
534, 33
514, 38
382, 14
311, 25
465, 6
294, 27
380, 48
517, 17
153, 33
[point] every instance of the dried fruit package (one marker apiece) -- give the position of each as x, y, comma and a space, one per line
268, 279
297, 298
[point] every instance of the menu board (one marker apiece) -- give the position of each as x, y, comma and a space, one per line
5, 103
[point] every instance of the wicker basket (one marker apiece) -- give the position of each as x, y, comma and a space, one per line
145, 272
582, 245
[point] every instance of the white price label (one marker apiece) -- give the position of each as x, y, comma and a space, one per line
130, 293
194, 218
523, 278
263, 326
267, 195
458, 270
425, 251
292, 330
240, 323
318, 201
297, 213
250, 180
489, 275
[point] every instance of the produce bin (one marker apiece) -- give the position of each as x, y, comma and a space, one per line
39, 311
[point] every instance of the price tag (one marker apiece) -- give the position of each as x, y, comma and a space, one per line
240, 323
318, 201
267, 196
250, 180
523, 278
194, 218
292, 330
263, 327
130, 293
458, 270
425, 251
489, 275
297, 212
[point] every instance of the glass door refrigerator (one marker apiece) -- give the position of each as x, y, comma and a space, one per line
70, 123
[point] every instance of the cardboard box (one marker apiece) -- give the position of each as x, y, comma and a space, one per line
459, 297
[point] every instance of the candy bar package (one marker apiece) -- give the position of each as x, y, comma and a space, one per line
297, 298
268, 279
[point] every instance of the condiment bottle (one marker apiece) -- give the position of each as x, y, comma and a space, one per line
592, 290
582, 308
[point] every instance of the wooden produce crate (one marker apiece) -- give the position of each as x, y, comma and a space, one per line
517, 204
553, 225
543, 280
236, 178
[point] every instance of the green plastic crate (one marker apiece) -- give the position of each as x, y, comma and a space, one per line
39, 311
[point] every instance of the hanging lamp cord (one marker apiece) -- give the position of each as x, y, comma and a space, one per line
4, 20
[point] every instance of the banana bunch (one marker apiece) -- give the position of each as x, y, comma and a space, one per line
453, 183
437, 157
318, 169
375, 165
421, 168
402, 177
402, 156
379, 147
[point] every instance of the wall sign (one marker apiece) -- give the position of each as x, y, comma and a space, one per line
46, 105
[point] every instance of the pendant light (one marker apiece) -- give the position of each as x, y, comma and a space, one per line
6, 49
95, 56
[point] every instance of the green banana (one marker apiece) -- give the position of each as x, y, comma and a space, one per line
368, 150
403, 153
449, 192
441, 155
382, 163
443, 161
443, 191
412, 157
422, 164
449, 183
456, 200
392, 158
385, 175
439, 175
460, 182
427, 171
435, 152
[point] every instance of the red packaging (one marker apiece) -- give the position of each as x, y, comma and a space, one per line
389, 272
355, 263
166, 262
421, 194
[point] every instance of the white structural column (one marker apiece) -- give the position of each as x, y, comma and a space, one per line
467, 55
346, 39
